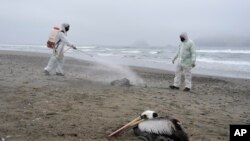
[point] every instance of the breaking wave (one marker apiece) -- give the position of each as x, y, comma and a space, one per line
208, 60
226, 51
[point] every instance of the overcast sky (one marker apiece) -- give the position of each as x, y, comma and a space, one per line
122, 22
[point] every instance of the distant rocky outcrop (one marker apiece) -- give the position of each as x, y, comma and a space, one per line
140, 43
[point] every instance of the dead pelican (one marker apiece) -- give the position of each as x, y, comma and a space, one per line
149, 127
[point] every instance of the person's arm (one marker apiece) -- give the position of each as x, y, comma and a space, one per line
176, 55
65, 40
193, 53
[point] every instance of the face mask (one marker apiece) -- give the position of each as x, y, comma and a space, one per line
182, 39
67, 28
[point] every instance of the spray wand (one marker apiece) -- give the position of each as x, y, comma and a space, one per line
84, 52
79, 51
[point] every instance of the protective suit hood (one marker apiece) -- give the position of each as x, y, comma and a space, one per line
63, 28
184, 35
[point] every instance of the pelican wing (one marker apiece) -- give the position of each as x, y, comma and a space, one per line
157, 126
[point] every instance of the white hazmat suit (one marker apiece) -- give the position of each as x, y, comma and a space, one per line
56, 59
186, 56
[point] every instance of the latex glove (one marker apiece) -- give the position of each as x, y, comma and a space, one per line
173, 61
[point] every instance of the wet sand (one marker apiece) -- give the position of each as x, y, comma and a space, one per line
35, 107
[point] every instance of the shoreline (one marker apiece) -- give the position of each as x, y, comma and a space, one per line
83, 105
230, 67
43, 54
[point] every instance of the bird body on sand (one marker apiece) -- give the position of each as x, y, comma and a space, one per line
149, 127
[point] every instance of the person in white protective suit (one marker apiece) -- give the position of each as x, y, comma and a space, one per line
186, 56
56, 59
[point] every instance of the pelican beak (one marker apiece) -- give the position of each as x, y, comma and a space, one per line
128, 125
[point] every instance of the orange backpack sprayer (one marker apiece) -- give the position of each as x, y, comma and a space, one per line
51, 43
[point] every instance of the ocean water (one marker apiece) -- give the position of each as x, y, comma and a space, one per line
216, 61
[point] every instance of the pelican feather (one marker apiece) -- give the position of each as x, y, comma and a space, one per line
157, 126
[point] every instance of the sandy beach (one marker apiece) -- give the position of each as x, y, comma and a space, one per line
83, 106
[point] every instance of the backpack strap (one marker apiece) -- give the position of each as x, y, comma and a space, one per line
57, 44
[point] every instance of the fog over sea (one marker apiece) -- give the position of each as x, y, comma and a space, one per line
216, 61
